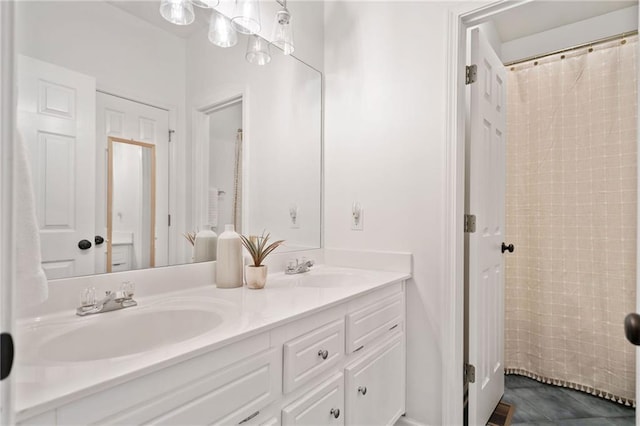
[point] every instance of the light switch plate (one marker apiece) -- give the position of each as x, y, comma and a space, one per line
357, 217
294, 216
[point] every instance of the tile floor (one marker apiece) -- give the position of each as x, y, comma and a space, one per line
538, 404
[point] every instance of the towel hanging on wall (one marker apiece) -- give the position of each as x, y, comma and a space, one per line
31, 281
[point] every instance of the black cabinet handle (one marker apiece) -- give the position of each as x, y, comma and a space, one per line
508, 248
84, 244
98, 240
6, 355
335, 412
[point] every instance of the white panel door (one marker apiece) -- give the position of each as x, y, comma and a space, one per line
486, 186
127, 119
56, 118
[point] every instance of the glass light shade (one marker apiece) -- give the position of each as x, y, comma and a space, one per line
258, 51
179, 12
221, 33
282, 36
205, 4
246, 17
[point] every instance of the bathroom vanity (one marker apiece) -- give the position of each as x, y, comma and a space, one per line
325, 347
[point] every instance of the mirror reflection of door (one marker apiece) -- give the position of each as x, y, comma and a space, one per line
225, 166
131, 201
128, 120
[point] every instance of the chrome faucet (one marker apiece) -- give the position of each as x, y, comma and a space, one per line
112, 300
301, 265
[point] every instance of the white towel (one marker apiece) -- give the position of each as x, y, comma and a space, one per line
31, 281
212, 211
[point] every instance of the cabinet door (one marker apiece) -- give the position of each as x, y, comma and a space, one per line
321, 406
375, 386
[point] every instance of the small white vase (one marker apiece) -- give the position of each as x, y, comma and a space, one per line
255, 276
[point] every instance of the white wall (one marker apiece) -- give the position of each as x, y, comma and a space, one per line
610, 24
384, 147
129, 57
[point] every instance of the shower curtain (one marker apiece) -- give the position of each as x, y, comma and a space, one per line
571, 214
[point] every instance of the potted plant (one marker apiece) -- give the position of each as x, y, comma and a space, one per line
256, 275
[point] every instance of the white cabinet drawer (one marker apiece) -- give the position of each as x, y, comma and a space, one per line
144, 398
323, 405
374, 321
375, 386
230, 396
312, 353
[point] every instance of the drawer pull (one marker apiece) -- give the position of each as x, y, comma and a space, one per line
393, 327
250, 417
362, 390
361, 347
335, 412
324, 354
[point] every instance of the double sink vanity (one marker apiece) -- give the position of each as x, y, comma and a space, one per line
323, 347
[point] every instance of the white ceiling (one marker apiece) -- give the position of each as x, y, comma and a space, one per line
150, 11
546, 15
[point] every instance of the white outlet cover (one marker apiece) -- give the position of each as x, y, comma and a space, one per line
358, 225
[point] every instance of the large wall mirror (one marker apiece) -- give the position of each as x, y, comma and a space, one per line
141, 132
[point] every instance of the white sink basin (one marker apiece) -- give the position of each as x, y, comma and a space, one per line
115, 336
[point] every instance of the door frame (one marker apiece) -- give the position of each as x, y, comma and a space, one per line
458, 21
7, 212
200, 139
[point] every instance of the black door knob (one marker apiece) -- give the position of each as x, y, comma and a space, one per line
84, 244
6, 355
632, 328
99, 240
508, 248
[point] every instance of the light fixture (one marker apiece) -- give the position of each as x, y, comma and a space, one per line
258, 51
205, 4
221, 33
246, 17
179, 12
282, 36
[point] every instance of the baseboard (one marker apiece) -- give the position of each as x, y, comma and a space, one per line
406, 421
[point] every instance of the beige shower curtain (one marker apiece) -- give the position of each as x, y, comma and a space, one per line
571, 214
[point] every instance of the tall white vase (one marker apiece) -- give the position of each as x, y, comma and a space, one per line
229, 262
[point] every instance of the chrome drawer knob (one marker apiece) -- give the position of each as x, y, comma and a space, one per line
323, 354
362, 390
335, 412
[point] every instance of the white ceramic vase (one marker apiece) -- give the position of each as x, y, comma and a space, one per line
205, 246
255, 276
229, 262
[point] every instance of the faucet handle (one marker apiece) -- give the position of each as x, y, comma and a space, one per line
128, 289
88, 297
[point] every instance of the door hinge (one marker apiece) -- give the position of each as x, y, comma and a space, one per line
469, 373
171, 132
471, 74
470, 223
169, 220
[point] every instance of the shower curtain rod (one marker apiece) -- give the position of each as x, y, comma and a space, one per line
569, 49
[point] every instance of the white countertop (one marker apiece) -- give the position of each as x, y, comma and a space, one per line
42, 384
